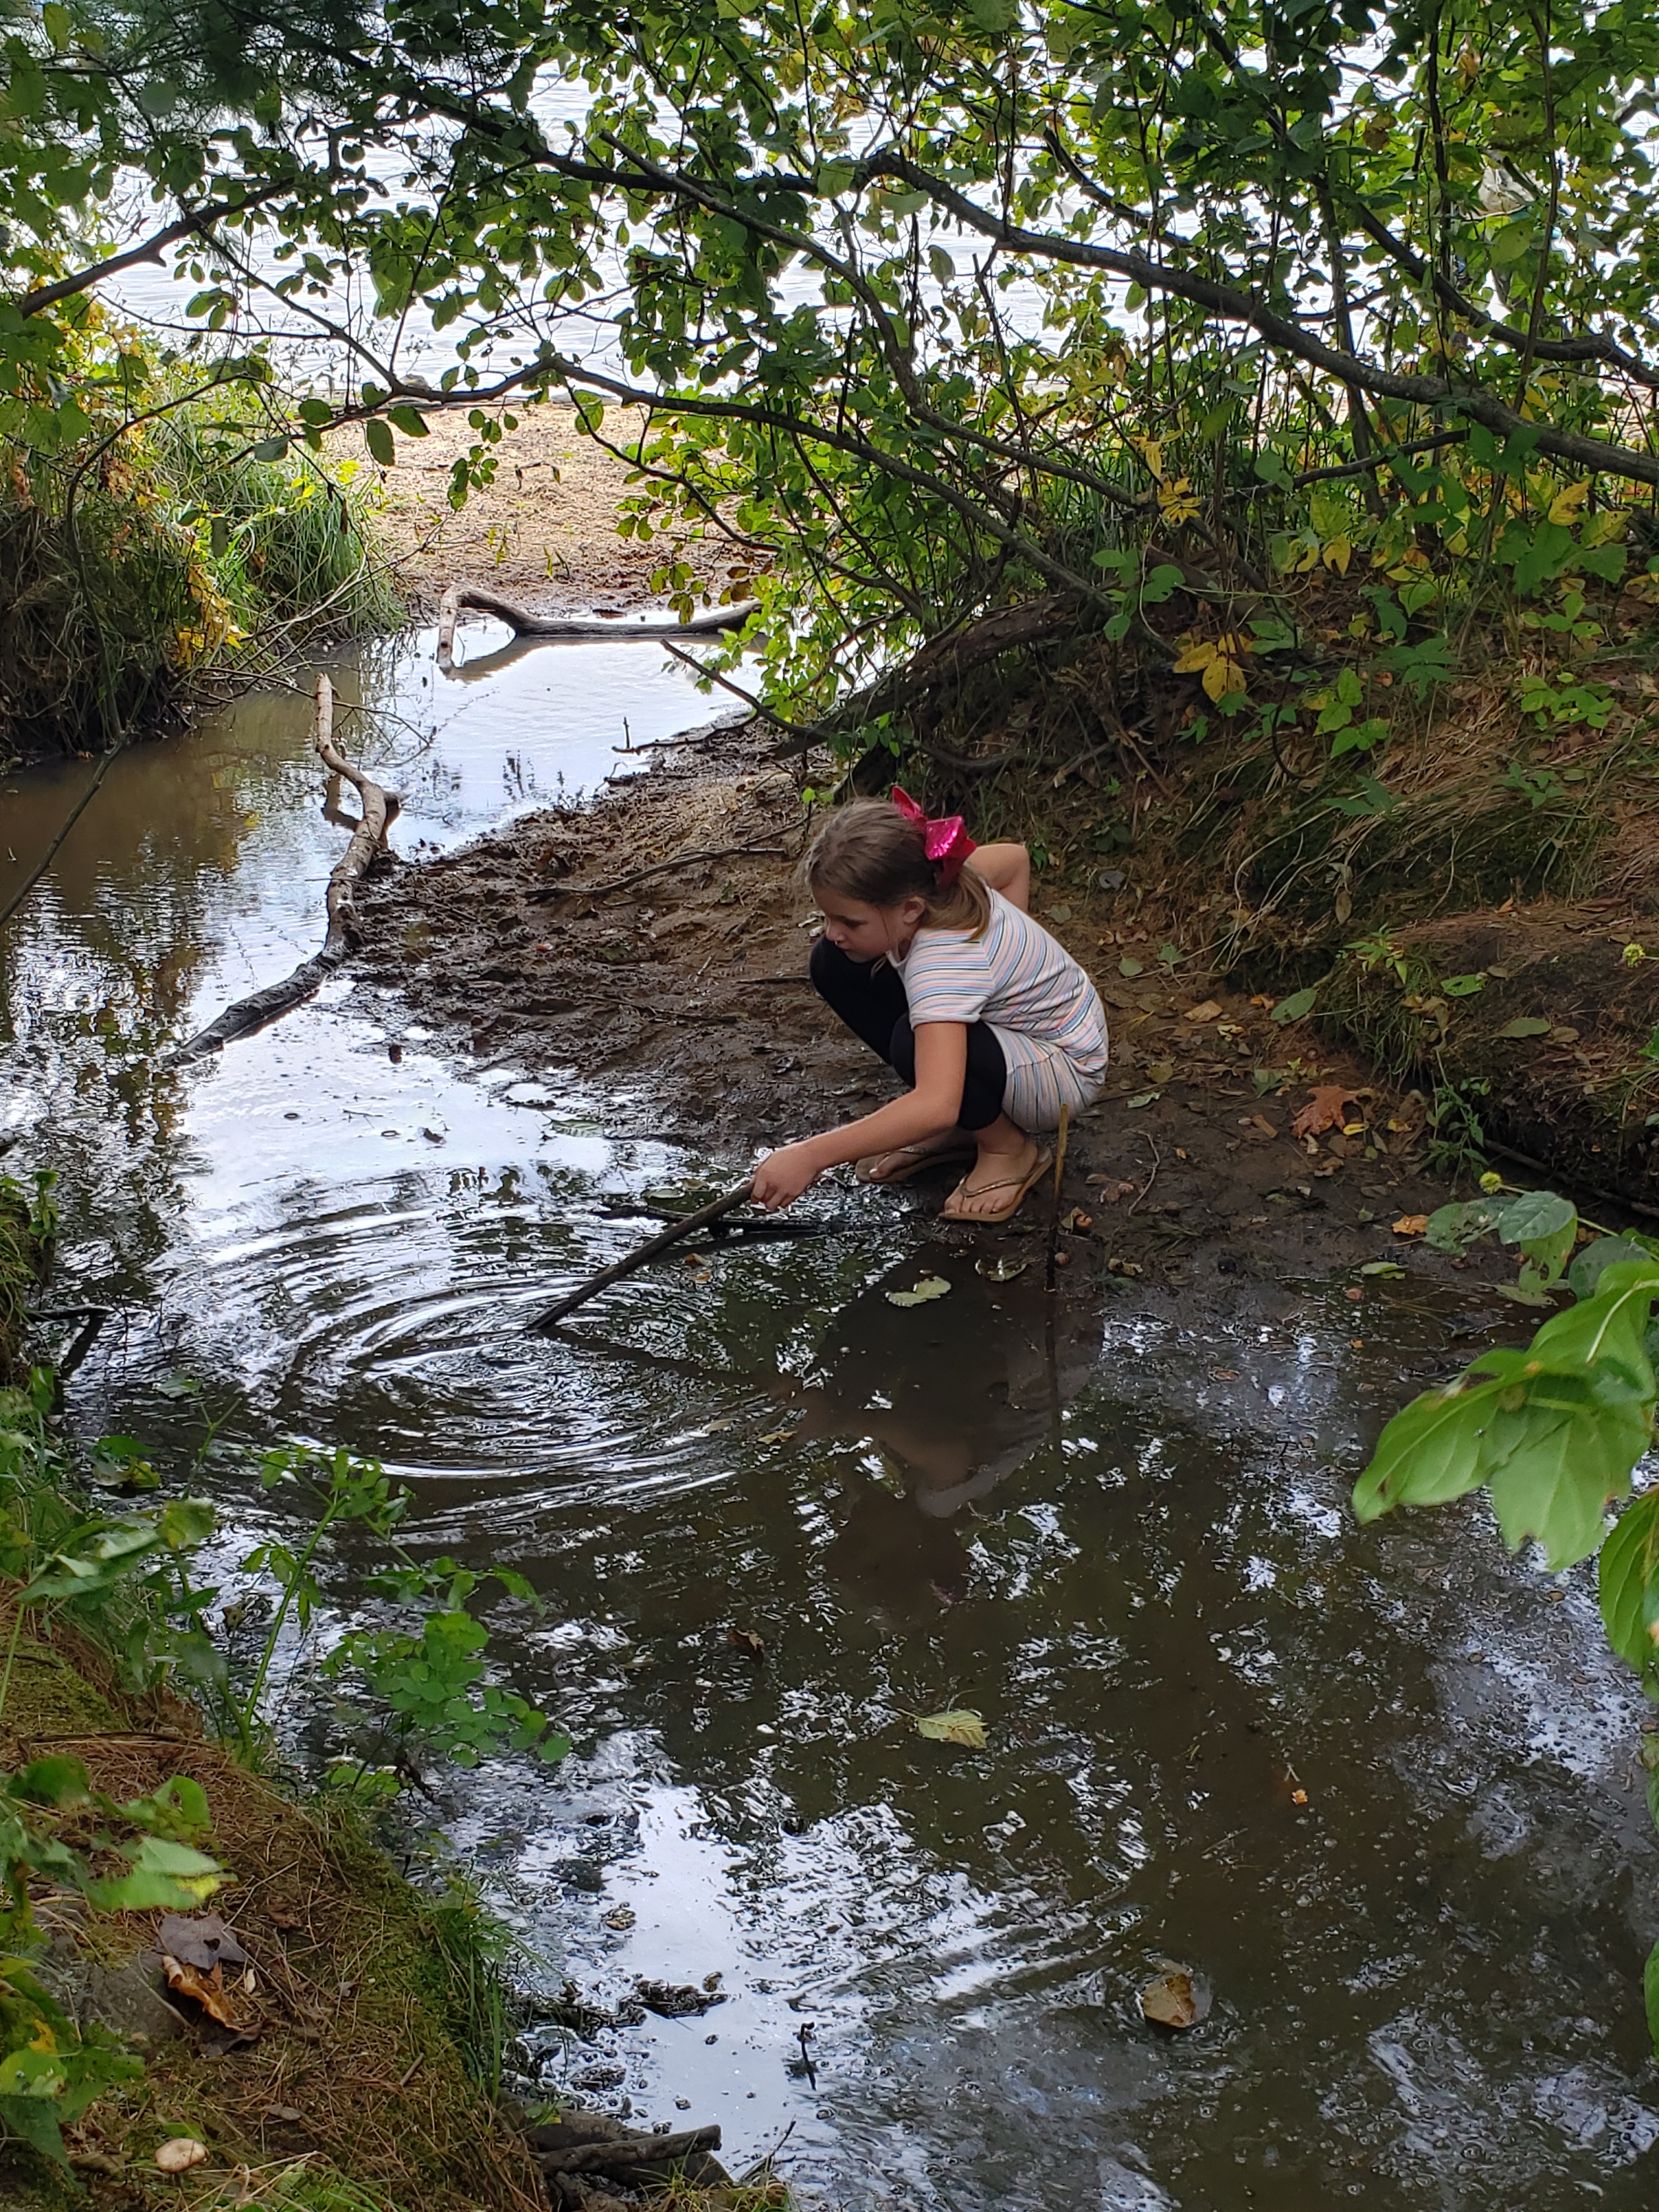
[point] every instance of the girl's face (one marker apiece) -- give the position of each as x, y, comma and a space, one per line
864, 931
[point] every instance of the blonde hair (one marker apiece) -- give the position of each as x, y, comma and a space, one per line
868, 850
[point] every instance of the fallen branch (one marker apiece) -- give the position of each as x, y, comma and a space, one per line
367, 838
562, 629
617, 2157
715, 1211
757, 848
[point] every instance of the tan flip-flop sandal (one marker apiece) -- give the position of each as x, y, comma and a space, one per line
914, 1160
1011, 1207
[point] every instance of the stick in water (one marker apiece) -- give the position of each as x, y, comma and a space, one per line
715, 1211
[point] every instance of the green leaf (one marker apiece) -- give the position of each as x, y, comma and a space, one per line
1526, 1025
1430, 1452
33, 2119
377, 436
1628, 1579
1463, 986
186, 1522
1561, 1455
270, 449
410, 421
1455, 1227
163, 1873
961, 1726
56, 1782
58, 24
1534, 1214
1585, 1276
1299, 1004
929, 1288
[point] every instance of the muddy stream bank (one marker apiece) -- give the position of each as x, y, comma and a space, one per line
1375, 1788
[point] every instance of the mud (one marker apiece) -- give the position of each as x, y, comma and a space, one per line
684, 992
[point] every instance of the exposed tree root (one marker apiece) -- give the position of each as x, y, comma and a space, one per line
262, 1007
560, 628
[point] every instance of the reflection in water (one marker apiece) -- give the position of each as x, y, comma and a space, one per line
1139, 1569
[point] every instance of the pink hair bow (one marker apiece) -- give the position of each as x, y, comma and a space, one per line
946, 840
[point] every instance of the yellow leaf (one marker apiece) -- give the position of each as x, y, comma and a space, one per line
1150, 452
1338, 554
1178, 503
1565, 507
960, 1727
1197, 653
1223, 675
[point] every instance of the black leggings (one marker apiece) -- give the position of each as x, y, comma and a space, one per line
870, 998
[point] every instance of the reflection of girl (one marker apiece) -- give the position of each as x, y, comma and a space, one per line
938, 967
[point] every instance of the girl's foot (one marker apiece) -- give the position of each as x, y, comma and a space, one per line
904, 1161
998, 1184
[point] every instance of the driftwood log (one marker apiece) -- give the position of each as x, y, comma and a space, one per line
555, 630
367, 838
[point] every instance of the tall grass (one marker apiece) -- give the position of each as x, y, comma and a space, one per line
138, 567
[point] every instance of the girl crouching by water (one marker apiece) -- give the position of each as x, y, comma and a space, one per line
938, 967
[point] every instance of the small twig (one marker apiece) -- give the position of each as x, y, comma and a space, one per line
1053, 1218
552, 1315
1150, 1180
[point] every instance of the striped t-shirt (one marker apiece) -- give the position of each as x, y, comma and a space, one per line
1046, 1013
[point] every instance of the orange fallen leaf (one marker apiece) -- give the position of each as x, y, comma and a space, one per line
1411, 1225
208, 1990
1326, 1109
1171, 2001
745, 1640
1298, 1796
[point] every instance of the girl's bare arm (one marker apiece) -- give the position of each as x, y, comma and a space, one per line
932, 1106
1007, 868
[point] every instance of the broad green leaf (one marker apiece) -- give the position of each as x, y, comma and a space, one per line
1585, 1276
1463, 986
1299, 1004
377, 436
1526, 1025
929, 1288
1544, 1226
163, 1873
33, 2119
1560, 1456
1611, 1328
59, 1782
1430, 1452
960, 1727
1455, 1227
186, 1522
270, 449
1628, 1579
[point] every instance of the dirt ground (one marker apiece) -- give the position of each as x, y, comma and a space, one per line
544, 534
562, 945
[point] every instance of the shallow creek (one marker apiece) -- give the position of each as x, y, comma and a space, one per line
1124, 1543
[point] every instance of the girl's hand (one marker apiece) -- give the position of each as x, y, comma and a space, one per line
782, 1176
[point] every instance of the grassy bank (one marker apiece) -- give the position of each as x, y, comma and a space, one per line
152, 559
351, 2078
1431, 832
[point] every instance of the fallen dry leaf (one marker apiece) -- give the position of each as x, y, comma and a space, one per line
1208, 1011
960, 1727
201, 1938
1170, 2001
1328, 1109
745, 1640
1110, 1188
1411, 1225
208, 1990
178, 2156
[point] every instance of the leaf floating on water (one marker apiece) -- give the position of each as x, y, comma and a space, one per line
1170, 2001
1001, 1271
962, 1727
1390, 1268
777, 1436
621, 1916
929, 1288
747, 1640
